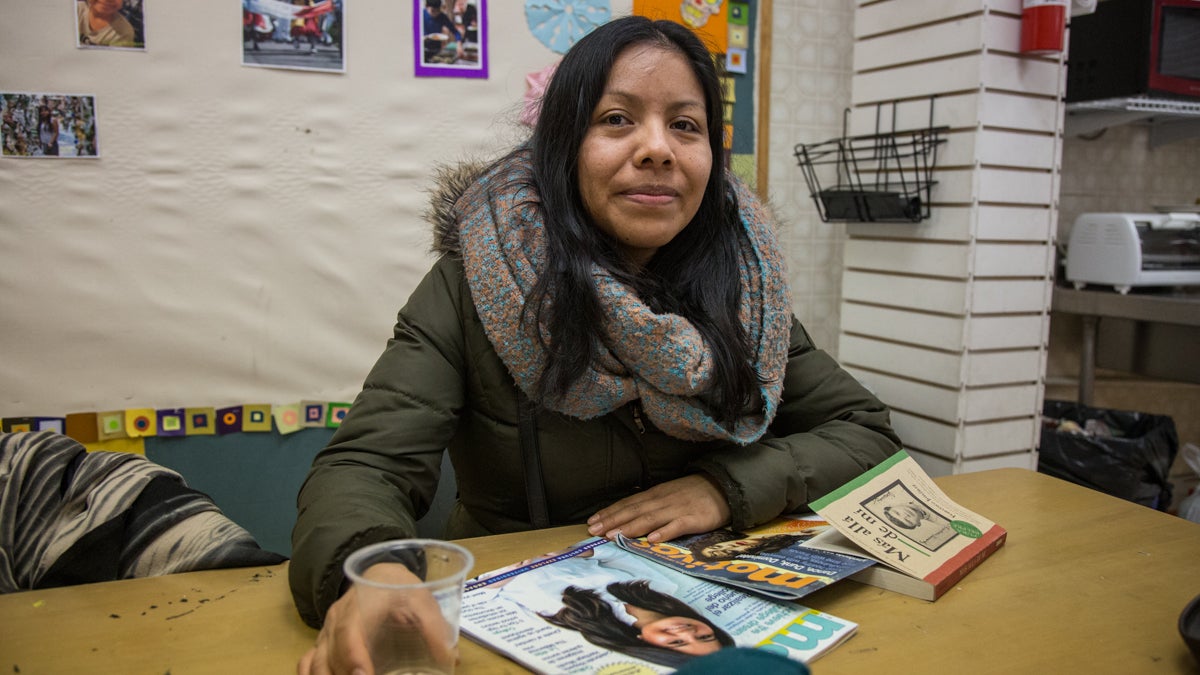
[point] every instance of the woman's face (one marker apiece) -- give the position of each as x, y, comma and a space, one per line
681, 634
645, 159
905, 516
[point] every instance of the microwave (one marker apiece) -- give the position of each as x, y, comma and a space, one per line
1131, 48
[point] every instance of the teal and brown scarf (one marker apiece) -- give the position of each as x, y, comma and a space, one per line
660, 358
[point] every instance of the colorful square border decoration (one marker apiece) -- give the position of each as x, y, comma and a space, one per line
110, 425
200, 421
171, 422
229, 420
256, 418
313, 413
287, 418
458, 50
337, 413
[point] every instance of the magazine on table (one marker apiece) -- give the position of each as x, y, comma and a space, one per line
773, 559
597, 607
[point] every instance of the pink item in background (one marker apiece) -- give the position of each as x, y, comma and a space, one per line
535, 86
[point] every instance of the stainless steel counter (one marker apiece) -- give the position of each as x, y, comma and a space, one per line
1148, 333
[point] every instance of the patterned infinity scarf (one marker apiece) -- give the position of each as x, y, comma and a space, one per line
660, 358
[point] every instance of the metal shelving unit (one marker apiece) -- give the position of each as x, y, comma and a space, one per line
1170, 120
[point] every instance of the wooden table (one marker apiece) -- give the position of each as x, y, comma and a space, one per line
1086, 583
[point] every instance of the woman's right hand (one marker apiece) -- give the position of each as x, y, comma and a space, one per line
342, 645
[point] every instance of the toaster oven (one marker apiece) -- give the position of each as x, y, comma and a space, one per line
1124, 250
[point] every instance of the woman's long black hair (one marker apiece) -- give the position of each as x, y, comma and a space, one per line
764, 544
696, 275
585, 611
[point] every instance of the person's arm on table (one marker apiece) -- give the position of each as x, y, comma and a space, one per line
381, 469
828, 430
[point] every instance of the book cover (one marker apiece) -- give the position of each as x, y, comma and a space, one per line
895, 514
598, 608
773, 559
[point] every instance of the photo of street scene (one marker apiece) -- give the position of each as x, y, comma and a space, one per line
294, 34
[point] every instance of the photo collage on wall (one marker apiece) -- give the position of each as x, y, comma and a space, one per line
48, 125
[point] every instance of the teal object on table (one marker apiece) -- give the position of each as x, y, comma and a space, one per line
743, 660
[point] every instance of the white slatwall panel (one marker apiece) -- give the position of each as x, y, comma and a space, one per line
994, 438
874, 18
946, 319
948, 369
937, 332
944, 296
1021, 223
977, 440
927, 365
963, 110
910, 257
1005, 332
1010, 260
920, 44
1008, 296
1004, 367
939, 466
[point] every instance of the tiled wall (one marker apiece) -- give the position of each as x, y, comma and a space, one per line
1117, 170
812, 50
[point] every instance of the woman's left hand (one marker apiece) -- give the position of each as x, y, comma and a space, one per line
688, 505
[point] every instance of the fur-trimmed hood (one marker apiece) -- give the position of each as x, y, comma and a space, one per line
450, 182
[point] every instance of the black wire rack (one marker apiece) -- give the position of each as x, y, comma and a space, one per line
883, 176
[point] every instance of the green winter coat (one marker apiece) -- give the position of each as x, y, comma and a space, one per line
440, 386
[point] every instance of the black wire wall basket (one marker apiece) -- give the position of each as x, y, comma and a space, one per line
878, 177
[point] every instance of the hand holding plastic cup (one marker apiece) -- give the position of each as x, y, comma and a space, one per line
409, 594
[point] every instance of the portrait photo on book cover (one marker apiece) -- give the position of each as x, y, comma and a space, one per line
912, 517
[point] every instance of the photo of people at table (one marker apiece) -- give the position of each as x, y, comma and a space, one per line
912, 517
448, 32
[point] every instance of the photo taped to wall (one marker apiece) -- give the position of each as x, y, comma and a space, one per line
48, 125
450, 38
294, 34
110, 24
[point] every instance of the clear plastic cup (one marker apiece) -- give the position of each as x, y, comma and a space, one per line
409, 593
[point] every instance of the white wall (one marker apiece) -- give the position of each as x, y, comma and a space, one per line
248, 234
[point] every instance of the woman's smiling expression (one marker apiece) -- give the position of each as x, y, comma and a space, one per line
645, 159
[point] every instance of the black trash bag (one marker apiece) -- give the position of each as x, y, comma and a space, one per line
1133, 463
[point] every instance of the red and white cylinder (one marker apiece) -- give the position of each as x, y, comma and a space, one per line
1043, 26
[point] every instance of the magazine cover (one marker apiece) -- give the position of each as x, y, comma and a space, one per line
897, 514
773, 559
596, 607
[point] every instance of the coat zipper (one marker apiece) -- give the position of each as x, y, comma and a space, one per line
637, 416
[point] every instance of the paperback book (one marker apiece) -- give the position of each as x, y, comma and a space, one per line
896, 514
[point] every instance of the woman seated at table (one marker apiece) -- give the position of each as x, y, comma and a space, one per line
608, 321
